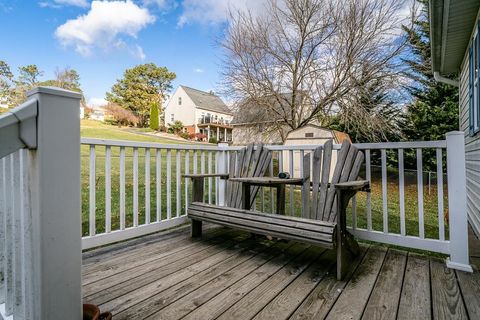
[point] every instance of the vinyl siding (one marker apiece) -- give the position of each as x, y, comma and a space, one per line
472, 152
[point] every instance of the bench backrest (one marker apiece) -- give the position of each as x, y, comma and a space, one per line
347, 168
252, 161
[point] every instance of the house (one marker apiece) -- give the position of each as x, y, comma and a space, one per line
308, 135
201, 113
261, 119
455, 45
98, 114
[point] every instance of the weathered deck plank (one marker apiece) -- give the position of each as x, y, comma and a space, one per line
323, 296
284, 304
256, 299
353, 298
155, 296
206, 292
229, 275
415, 300
383, 302
220, 303
447, 301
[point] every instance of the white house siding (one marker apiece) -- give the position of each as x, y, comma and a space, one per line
184, 112
472, 152
244, 134
298, 137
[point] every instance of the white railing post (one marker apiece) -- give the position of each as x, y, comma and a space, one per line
222, 168
55, 194
457, 202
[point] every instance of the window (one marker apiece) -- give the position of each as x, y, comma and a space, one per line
172, 117
309, 135
474, 84
179, 101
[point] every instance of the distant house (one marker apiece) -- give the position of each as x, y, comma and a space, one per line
98, 114
82, 112
311, 134
260, 119
455, 46
201, 113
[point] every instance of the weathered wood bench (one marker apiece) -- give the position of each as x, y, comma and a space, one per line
324, 202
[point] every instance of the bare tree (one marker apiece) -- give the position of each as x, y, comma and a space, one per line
304, 59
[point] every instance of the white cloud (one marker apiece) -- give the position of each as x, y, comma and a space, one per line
97, 102
215, 11
198, 70
104, 26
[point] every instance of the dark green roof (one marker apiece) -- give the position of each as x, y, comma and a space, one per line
451, 26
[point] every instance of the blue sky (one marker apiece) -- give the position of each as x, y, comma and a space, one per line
100, 39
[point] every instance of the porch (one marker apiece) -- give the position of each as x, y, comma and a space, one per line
229, 275
50, 210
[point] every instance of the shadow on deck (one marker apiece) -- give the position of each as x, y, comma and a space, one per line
229, 275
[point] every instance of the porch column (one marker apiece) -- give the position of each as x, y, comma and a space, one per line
218, 134
457, 202
208, 133
225, 136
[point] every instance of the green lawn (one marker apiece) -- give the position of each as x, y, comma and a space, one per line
97, 130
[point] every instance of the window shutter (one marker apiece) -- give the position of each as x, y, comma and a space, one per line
477, 106
470, 89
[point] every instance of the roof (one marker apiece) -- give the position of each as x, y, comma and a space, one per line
338, 136
451, 25
207, 100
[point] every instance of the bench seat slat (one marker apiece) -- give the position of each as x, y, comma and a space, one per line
293, 222
257, 229
324, 237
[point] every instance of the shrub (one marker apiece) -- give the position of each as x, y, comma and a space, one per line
176, 127
120, 115
213, 140
200, 136
184, 135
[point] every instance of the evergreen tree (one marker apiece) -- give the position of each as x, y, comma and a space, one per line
154, 117
141, 87
434, 109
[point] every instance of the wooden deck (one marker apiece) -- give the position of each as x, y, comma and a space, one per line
229, 275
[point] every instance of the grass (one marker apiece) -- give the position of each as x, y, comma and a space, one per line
97, 130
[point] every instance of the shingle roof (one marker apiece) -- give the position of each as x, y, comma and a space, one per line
207, 101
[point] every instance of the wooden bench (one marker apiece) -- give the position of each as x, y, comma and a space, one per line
324, 204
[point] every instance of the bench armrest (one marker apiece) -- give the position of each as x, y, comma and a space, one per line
207, 175
359, 185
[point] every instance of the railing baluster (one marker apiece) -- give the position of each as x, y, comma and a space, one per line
92, 187
272, 202
158, 183
202, 169
290, 169
401, 182
3, 233
169, 184
122, 188
209, 166
147, 186
108, 189
441, 217
135, 187
18, 307
384, 190
9, 243
187, 171
178, 185
27, 238
421, 226
368, 174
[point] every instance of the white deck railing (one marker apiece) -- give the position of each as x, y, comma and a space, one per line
145, 192
40, 246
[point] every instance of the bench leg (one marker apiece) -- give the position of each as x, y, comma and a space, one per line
196, 229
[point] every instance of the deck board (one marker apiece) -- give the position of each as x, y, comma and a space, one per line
230, 275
